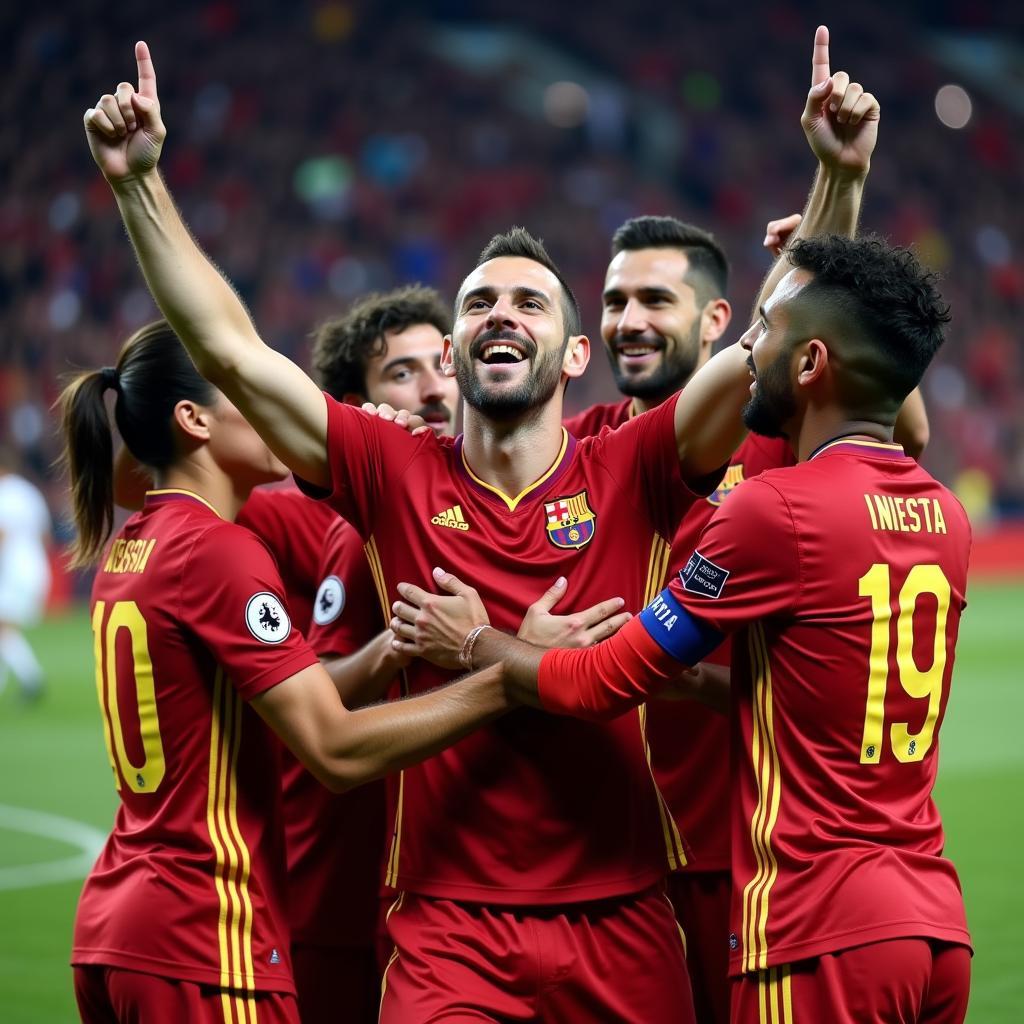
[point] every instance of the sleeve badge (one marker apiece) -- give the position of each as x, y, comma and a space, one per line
267, 619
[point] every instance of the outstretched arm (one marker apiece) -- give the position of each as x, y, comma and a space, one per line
345, 748
708, 411
126, 134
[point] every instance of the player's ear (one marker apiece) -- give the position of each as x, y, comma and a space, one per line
812, 362
192, 419
448, 357
714, 319
577, 355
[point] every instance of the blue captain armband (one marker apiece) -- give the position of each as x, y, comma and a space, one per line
676, 631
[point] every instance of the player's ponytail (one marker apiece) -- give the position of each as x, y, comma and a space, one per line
153, 373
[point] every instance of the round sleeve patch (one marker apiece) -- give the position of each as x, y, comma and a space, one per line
267, 619
330, 601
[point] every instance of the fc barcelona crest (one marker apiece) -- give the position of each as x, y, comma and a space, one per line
732, 479
569, 521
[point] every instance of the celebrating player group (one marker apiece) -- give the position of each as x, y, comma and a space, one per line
654, 692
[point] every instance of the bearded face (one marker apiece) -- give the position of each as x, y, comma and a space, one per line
772, 403
503, 377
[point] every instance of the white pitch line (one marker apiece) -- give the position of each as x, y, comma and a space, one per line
89, 841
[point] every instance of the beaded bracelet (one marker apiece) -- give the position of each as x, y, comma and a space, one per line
466, 654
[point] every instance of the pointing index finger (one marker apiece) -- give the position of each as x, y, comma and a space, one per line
819, 61
147, 73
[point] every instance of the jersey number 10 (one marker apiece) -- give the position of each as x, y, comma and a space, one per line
918, 683
145, 777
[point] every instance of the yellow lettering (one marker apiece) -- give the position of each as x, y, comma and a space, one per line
901, 521
145, 558
885, 515
940, 522
915, 519
871, 511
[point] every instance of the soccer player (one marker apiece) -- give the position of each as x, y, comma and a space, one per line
842, 580
541, 834
24, 575
183, 916
664, 308
386, 348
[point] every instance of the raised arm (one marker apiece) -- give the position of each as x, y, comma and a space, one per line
708, 411
126, 134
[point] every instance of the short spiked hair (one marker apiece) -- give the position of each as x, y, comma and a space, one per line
709, 266
518, 242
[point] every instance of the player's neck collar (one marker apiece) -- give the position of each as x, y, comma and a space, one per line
164, 494
858, 443
552, 473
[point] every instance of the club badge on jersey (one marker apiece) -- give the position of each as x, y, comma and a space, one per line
266, 618
732, 479
570, 521
330, 601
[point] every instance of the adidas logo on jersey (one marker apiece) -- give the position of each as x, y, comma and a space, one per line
452, 518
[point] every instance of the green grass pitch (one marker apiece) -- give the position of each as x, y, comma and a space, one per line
52, 761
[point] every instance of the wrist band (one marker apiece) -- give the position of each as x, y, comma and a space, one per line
466, 654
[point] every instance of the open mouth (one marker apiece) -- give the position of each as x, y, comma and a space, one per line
496, 353
637, 351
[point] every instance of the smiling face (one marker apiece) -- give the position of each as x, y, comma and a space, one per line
407, 375
509, 346
773, 407
651, 322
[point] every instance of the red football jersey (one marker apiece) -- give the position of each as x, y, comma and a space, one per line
534, 808
335, 842
293, 527
689, 742
846, 575
190, 882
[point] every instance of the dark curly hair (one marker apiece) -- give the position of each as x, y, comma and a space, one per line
882, 307
343, 346
518, 242
708, 264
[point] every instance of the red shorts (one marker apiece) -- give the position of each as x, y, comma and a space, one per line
902, 981
701, 901
336, 985
606, 961
111, 995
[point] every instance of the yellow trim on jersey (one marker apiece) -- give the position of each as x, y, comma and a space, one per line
859, 442
775, 996
377, 571
765, 763
191, 494
233, 862
657, 567
512, 503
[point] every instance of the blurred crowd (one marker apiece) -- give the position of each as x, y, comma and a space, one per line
321, 150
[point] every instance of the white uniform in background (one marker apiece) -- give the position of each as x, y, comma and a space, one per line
24, 577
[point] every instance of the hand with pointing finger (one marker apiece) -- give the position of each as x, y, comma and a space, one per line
840, 119
124, 129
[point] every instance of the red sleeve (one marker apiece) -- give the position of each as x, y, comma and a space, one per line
347, 612
605, 680
747, 562
643, 457
366, 456
232, 600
